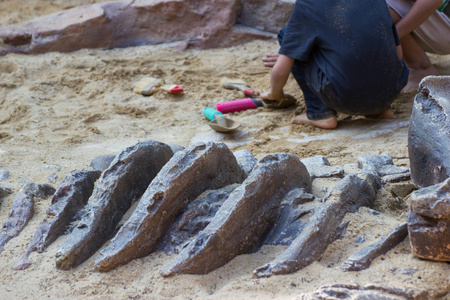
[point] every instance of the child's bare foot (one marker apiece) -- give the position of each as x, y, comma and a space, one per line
387, 114
329, 123
416, 75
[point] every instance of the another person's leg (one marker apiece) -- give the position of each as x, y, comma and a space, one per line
415, 45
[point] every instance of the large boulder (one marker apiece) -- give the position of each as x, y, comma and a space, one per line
429, 132
201, 23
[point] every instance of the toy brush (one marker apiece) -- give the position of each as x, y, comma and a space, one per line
149, 85
237, 84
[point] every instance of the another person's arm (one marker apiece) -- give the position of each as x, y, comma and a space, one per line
419, 13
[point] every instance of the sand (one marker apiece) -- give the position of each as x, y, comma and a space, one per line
61, 110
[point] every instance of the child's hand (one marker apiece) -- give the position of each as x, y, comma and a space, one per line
263, 95
270, 59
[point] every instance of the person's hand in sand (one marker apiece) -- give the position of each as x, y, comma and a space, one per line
421, 28
347, 64
270, 59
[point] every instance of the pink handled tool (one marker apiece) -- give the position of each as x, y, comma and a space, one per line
238, 105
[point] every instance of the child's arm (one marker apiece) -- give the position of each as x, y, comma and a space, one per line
419, 13
279, 77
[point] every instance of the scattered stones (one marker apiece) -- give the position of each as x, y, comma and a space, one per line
319, 167
4, 174
383, 166
324, 226
244, 218
119, 186
362, 259
429, 222
22, 210
429, 132
4, 191
71, 195
187, 175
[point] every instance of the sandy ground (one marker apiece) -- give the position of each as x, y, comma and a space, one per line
59, 111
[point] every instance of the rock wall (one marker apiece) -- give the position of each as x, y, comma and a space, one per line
198, 23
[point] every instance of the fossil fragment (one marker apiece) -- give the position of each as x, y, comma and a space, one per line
319, 167
188, 174
246, 160
245, 217
429, 132
429, 222
354, 292
362, 259
383, 166
102, 162
119, 186
324, 226
197, 216
22, 210
71, 195
296, 208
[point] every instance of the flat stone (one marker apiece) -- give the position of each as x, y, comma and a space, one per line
429, 132
429, 222
319, 167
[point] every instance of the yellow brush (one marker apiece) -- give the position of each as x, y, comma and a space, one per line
149, 85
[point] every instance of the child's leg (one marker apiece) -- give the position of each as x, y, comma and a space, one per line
317, 114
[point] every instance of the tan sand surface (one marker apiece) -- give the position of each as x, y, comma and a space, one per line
61, 110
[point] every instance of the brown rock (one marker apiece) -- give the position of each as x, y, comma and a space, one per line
202, 23
429, 222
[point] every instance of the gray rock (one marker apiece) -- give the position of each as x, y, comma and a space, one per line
117, 189
187, 175
244, 218
368, 292
319, 167
4, 191
324, 227
429, 132
71, 195
22, 210
246, 160
102, 162
197, 216
4, 174
429, 222
383, 166
362, 259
